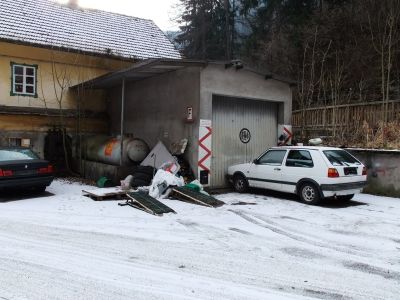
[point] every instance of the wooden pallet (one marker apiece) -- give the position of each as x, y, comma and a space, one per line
187, 194
103, 194
147, 203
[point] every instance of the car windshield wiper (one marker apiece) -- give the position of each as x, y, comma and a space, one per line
336, 159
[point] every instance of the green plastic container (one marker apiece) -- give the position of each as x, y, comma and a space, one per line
193, 187
104, 182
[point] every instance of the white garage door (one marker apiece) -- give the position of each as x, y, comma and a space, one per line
230, 117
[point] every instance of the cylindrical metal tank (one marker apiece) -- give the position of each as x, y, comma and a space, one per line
107, 150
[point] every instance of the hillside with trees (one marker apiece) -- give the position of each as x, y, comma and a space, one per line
343, 56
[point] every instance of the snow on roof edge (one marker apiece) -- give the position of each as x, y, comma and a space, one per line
46, 23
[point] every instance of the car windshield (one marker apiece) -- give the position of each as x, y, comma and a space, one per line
17, 154
340, 158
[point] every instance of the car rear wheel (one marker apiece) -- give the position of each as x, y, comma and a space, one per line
309, 193
345, 197
240, 183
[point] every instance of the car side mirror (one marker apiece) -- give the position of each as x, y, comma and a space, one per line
255, 161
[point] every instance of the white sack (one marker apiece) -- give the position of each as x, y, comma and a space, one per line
161, 181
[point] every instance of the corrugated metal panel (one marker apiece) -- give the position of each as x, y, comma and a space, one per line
230, 115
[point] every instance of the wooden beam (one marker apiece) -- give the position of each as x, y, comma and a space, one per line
49, 112
345, 105
44, 123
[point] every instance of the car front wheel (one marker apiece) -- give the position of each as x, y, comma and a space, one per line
240, 183
309, 193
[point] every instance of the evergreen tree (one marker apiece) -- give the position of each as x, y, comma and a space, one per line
206, 29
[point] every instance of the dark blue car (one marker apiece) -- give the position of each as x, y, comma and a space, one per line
21, 168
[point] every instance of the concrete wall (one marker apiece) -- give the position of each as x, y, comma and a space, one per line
155, 109
217, 80
383, 171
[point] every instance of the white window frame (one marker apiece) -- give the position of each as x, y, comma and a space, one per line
24, 83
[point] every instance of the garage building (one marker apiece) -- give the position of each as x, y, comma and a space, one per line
228, 113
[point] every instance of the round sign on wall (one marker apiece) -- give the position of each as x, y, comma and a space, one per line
245, 135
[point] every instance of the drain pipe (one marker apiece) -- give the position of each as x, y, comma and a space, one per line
122, 119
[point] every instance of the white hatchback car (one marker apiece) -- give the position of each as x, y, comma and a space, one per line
313, 173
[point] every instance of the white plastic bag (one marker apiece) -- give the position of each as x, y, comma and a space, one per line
126, 183
161, 181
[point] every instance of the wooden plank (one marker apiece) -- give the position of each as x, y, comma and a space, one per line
11, 122
133, 203
50, 112
179, 193
137, 205
100, 194
149, 203
104, 192
372, 103
105, 198
199, 198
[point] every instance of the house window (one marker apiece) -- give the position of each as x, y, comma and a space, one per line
14, 142
23, 80
19, 142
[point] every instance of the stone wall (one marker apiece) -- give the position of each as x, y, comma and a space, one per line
383, 171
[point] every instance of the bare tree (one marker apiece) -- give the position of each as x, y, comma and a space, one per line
62, 76
312, 75
385, 37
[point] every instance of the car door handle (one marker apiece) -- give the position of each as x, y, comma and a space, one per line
277, 169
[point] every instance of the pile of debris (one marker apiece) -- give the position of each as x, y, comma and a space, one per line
159, 176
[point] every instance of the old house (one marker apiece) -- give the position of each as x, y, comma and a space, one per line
46, 47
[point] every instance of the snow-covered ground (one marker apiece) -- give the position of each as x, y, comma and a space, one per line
66, 246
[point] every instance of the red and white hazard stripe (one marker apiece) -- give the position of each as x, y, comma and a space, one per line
205, 153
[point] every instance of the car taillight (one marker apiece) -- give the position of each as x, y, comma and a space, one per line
364, 171
5, 173
333, 173
47, 170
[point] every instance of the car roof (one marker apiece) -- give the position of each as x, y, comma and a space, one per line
320, 148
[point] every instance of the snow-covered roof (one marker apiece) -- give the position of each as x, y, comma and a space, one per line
49, 24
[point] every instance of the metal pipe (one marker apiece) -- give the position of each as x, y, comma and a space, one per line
122, 119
